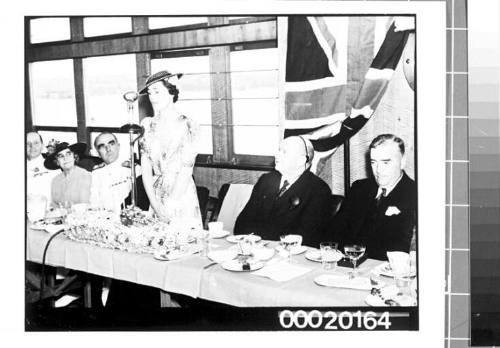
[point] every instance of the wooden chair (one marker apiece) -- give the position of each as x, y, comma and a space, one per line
232, 200
203, 196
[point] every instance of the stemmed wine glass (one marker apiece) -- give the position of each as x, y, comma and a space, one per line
354, 252
288, 244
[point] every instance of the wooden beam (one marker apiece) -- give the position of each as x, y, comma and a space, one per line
76, 28
77, 35
219, 64
140, 25
212, 36
82, 133
55, 128
28, 115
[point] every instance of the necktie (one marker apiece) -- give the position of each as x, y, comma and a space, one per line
380, 197
283, 188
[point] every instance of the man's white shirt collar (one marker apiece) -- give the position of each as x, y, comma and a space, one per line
388, 189
291, 180
36, 163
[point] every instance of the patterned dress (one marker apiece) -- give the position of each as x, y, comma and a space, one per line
170, 146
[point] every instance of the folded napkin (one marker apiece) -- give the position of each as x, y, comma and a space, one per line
282, 271
343, 281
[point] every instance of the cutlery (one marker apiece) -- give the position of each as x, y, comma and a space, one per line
209, 265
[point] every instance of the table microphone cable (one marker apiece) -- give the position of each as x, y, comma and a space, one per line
42, 285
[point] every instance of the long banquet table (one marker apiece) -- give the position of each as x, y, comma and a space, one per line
189, 276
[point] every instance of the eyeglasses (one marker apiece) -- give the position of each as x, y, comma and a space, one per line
103, 145
64, 155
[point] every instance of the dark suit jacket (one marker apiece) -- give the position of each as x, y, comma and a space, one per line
359, 220
303, 209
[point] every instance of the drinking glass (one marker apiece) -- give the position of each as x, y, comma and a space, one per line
328, 255
287, 244
65, 209
203, 242
354, 252
401, 268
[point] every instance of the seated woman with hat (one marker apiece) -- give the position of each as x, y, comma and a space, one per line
73, 184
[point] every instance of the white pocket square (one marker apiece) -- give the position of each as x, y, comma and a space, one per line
392, 211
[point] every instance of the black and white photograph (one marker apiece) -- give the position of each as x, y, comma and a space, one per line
224, 172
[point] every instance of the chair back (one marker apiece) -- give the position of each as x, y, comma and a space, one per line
233, 203
203, 195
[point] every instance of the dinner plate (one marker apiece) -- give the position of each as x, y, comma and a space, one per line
343, 281
315, 255
237, 266
175, 254
51, 228
169, 256
220, 256
390, 298
240, 237
295, 250
386, 270
218, 234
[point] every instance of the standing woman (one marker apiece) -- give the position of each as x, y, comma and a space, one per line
73, 184
168, 154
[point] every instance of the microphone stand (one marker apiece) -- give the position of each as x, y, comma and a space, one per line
132, 129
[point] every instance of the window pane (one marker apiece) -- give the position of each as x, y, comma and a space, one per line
53, 93
255, 84
49, 29
106, 79
254, 89
98, 26
124, 141
256, 140
186, 65
168, 22
258, 59
199, 110
69, 137
241, 17
255, 112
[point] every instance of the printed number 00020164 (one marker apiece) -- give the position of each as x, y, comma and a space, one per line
330, 320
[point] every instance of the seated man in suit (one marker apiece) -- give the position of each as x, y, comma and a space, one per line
379, 212
289, 200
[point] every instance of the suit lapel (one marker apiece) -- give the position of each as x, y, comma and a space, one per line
395, 197
270, 194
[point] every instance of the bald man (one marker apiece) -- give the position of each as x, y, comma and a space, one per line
289, 200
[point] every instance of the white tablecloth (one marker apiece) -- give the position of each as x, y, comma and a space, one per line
187, 275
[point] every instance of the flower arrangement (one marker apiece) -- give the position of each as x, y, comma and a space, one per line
51, 146
141, 234
294, 202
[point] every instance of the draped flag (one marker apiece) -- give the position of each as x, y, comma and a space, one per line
321, 58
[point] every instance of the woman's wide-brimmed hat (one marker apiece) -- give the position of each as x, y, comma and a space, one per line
159, 76
50, 161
